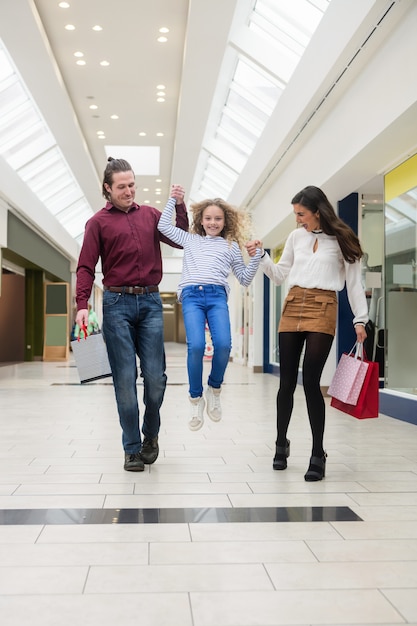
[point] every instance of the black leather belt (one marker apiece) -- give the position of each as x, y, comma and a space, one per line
137, 291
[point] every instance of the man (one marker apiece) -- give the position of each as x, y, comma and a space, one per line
126, 237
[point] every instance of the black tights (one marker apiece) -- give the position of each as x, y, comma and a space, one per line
317, 348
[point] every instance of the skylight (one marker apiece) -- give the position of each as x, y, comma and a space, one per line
29, 147
253, 90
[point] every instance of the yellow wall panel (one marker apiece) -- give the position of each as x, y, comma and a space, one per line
401, 179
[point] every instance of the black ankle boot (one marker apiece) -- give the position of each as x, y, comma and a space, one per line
316, 469
281, 455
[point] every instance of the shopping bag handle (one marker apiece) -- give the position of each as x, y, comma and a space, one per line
85, 329
359, 351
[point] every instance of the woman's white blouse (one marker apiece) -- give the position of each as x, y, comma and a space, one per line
324, 268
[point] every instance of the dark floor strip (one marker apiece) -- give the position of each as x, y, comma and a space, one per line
178, 516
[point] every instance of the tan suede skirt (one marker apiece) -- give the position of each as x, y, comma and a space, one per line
313, 310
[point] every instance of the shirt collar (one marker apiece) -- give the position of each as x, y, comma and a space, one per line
109, 206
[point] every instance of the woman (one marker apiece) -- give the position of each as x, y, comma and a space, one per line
319, 258
212, 250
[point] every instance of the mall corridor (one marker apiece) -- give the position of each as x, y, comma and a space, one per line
209, 535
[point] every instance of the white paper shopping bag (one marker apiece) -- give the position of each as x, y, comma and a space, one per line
91, 358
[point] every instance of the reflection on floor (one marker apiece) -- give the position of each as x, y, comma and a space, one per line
178, 516
209, 535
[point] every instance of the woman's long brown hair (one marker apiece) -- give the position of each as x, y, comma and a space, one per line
314, 199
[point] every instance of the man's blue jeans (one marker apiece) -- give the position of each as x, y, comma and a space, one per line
201, 303
133, 326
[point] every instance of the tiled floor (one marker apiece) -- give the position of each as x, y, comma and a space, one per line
60, 452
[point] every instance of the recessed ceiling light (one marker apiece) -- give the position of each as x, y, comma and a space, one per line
158, 190
64, 5
145, 189
142, 134
158, 193
93, 107
101, 136
160, 86
78, 54
162, 39
104, 63
97, 28
159, 134
81, 62
69, 27
100, 132
114, 117
160, 99
164, 29
158, 180
161, 93
157, 202
146, 201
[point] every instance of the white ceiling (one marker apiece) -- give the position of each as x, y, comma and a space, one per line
34, 34
127, 87
124, 92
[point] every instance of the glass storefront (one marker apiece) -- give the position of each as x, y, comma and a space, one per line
400, 211
372, 242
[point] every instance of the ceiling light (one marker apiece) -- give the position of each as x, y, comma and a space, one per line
161, 93
101, 136
145, 189
158, 180
158, 193
104, 63
100, 132
146, 201
160, 99
64, 5
159, 134
160, 86
142, 134
114, 117
164, 30
81, 63
93, 107
157, 202
78, 54
162, 39
97, 28
158, 190
69, 27
145, 160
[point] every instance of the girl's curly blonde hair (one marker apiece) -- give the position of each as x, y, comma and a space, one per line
237, 223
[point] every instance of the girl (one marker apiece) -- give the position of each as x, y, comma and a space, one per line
211, 251
319, 257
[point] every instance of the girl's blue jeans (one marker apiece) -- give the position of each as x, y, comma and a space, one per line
201, 303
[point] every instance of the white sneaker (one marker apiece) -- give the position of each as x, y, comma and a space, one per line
214, 409
197, 413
